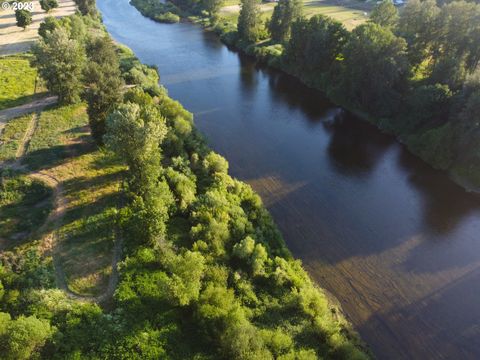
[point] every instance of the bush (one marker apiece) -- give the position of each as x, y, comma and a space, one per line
48, 5
23, 17
168, 18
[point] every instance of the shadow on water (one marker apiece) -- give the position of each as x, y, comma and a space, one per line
437, 330
348, 151
445, 203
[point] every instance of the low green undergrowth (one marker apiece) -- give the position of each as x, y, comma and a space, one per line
58, 134
12, 135
156, 10
18, 81
24, 206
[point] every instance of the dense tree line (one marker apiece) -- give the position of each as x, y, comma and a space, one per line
413, 73
206, 274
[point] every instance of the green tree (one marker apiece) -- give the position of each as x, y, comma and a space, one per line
212, 7
375, 69
103, 83
48, 5
135, 134
60, 62
418, 24
183, 286
457, 46
48, 25
23, 17
249, 20
23, 336
316, 45
87, 7
284, 14
385, 14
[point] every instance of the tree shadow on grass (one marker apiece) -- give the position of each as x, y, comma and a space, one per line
9, 103
47, 158
90, 184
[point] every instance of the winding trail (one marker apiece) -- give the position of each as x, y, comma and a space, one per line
34, 106
54, 219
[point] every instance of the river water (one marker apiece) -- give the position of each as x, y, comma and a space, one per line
395, 241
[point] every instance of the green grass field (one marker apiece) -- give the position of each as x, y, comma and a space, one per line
350, 12
17, 81
24, 207
61, 148
12, 136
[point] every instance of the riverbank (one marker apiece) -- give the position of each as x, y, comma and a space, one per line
204, 262
389, 236
461, 169
271, 55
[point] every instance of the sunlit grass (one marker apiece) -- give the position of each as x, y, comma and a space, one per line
350, 12
12, 136
90, 177
17, 81
24, 206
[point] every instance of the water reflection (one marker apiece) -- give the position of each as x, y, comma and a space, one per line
445, 203
348, 151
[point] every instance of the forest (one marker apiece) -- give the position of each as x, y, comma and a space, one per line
204, 272
412, 72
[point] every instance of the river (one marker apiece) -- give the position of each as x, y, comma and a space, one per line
395, 241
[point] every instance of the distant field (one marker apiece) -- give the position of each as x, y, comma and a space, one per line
15, 40
17, 81
350, 12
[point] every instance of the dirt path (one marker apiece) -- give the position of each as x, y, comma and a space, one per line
54, 221
13, 39
17, 111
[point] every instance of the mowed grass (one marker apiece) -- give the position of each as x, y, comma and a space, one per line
17, 81
12, 136
90, 178
62, 132
349, 12
92, 190
24, 206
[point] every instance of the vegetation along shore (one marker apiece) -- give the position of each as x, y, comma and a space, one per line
141, 246
413, 73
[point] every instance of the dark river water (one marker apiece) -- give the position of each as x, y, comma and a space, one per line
396, 242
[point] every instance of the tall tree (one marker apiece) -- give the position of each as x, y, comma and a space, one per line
375, 69
284, 14
212, 7
249, 20
135, 132
418, 24
316, 44
103, 83
459, 35
385, 14
60, 62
